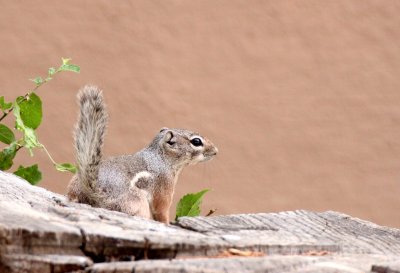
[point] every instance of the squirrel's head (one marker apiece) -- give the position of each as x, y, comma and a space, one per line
185, 147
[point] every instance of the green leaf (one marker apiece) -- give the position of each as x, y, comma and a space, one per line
31, 111
30, 140
6, 135
70, 67
38, 81
6, 156
51, 72
66, 167
19, 124
4, 105
30, 174
189, 205
66, 60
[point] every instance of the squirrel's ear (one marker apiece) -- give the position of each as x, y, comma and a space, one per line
169, 137
163, 129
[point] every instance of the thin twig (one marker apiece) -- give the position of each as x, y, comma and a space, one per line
47, 152
211, 212
4, 115
27, 95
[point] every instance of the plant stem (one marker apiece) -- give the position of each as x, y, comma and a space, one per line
4, 115
48, 154
27, 95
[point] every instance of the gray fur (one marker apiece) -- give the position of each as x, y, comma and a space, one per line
108, 183
89, 138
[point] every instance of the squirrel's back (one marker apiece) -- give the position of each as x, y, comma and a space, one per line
89, 138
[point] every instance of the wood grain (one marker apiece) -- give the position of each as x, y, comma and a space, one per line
41, 231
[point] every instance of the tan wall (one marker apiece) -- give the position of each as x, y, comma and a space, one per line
302, 97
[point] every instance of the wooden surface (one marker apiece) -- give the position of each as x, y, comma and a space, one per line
41, 231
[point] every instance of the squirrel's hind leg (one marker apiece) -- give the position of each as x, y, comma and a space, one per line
136, 203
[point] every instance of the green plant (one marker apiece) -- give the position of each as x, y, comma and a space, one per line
189, 204
27, 112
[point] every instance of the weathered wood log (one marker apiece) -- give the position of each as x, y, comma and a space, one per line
333, 231
276, 263
41, 231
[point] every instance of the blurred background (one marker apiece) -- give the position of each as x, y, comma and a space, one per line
302, 98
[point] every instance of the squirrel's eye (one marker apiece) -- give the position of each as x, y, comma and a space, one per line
196, 142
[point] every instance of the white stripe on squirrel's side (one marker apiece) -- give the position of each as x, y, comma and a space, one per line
139, 175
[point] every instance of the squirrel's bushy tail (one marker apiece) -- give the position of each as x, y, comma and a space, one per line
89, 137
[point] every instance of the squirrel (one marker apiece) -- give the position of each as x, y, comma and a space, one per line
140, 184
